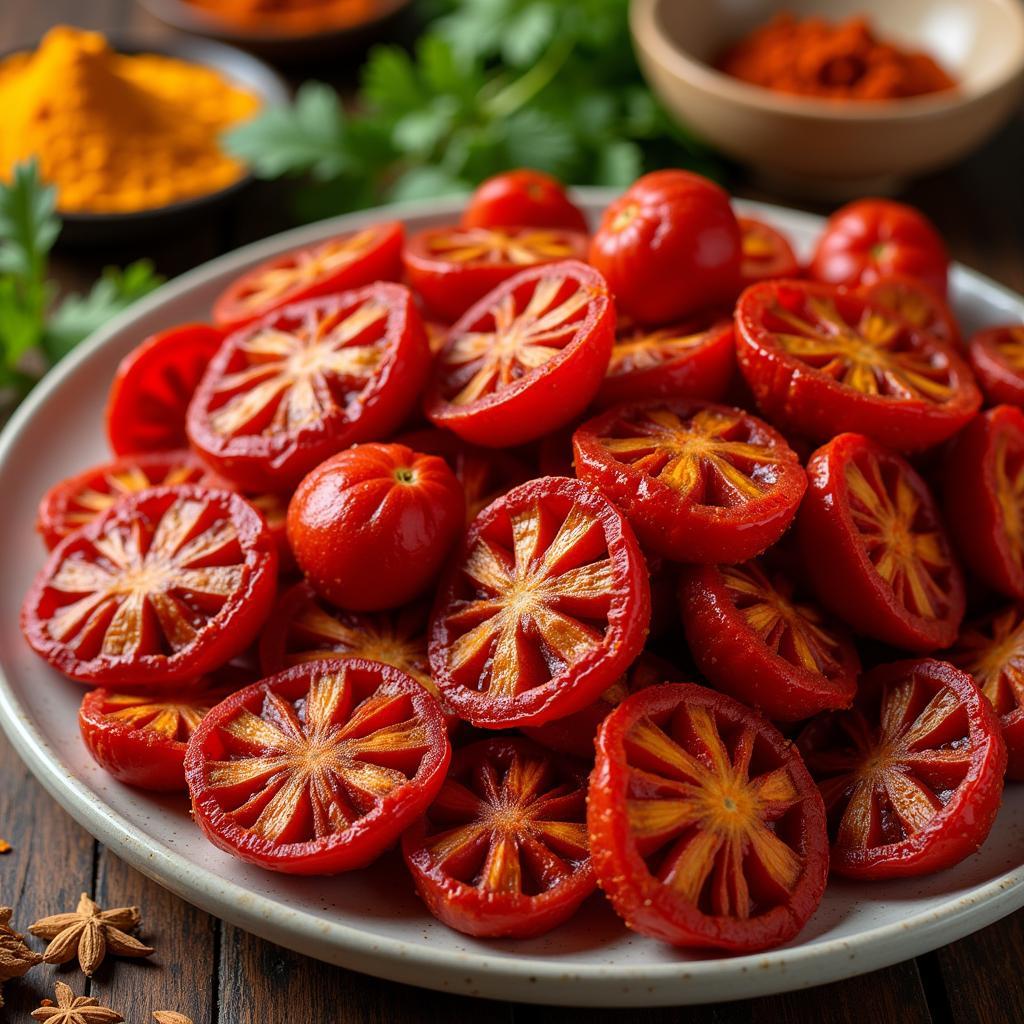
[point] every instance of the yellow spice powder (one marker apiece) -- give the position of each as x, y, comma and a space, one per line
117, 133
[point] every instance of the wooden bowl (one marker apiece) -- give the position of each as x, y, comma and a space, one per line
836, 148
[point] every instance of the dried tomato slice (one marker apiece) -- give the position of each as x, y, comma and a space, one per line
153, 385
997, 358
917, 303
705, 827
166, 585
874, 547
821, 360
525, 360
545, 606
912, 775
337, 265
991, 651
319, 769
766, 252
71, 504
502, 851
694, 359
294, 388
698, 482
451, 268
756, 637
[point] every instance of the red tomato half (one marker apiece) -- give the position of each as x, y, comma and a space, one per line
523, 198
874, 547
526, 359
546, 605
706, 830
912, 776
305, 382
821, 360
337, 265
153, 385
698, 482
319, 769
167, 585
756, 638
502, 851
71, 504
876, 238
452, 268
997, 358
669, 247
766, 253
914, 301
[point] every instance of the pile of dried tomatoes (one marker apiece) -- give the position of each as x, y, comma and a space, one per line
422, 539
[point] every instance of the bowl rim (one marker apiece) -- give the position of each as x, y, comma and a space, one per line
649, 38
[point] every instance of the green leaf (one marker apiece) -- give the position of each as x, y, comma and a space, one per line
534, 138
419, 133
426, 183
390, 82
619, 164
28, 224
443, 73
529, 33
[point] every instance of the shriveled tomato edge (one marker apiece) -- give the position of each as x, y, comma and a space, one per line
584, 682
785, 265
1012, 725
738, 662
223, 639
362, 841
999, 381
647, 905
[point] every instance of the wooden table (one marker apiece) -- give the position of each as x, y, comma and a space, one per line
214, 972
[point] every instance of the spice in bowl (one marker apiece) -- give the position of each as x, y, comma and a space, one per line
116, 133
813, 57
292, 17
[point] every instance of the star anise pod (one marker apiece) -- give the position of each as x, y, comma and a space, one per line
91, 933
170, 1017
16, 959
72, 1009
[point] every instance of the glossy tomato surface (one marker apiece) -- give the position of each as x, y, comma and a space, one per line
874, 547
523, 198
669, 247
525, 360
912, 776
371, 526
767, 253
502, 851
699, 482
821, 360
706, 830
917, 303
997, 357
319, 769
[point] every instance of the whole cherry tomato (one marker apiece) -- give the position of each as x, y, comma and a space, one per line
997, 357
371, 526
875, 238
669, 247
917, 303
523, 198
766, 253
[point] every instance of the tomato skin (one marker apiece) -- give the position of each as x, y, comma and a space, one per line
523, 198
153, 385
845, 579
371, 526
736, 659
380, 259
916, 302
669, 247
999, 379
767, 253
646, 904
875, 238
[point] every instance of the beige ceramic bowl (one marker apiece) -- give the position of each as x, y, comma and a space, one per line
828, 147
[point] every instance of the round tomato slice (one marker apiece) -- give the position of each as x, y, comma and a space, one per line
546, 605
874, 547
502, 851
921, 306
337, 265
166, 585
912, 776
526, 359
754, 636
452, 268
307, 381
991, 650
319, 769
822, 360
698, 482
71, 504
997, 358
695, 359
153, 385
766, 253
523, 198
705, 827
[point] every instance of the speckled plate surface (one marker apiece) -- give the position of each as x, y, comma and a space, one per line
371, 921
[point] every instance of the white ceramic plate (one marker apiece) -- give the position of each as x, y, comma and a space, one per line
371, 921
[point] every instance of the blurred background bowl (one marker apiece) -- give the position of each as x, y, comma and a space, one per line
836, 148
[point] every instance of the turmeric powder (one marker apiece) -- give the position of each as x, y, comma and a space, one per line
116, 133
